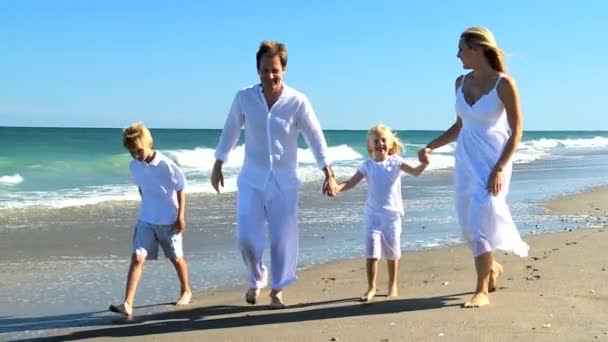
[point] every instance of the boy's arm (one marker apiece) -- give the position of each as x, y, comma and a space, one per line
180, 222
349, 184
413, 170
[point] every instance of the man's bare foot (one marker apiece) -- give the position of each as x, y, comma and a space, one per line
393, 291
276, 300
124, 308
251, 296
495, 273
185, 298
478, 300
368, 295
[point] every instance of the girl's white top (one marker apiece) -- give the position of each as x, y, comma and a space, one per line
383, 185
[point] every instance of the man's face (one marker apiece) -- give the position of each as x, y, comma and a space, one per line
271, 73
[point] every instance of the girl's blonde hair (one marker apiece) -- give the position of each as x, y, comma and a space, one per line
483, 38
136, 136
395, 147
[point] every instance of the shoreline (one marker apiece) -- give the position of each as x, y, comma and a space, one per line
558, 292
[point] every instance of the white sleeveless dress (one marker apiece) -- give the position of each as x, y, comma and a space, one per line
485, 220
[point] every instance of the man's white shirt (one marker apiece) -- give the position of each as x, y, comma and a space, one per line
271, 136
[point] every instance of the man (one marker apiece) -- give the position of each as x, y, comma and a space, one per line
273, 115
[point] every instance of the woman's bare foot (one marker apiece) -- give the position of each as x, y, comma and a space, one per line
368, 296
124, 308
185, 298
393, 291
251, 296
495, 273
478, 300
276, 300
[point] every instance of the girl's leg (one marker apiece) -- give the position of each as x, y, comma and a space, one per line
371, 267
393, 271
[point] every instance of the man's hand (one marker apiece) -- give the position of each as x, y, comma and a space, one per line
217, 176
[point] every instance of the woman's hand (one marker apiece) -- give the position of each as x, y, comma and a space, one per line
495, 181
423, 155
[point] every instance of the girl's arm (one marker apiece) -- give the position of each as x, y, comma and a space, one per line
349, 184
414, 171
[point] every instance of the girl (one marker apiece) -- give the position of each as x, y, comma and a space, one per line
384, 205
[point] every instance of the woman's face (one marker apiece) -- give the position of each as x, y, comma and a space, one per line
467, 55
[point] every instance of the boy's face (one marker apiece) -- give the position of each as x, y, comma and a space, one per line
379, 146
141, 153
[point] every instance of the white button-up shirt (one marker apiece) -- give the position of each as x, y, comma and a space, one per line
271, 136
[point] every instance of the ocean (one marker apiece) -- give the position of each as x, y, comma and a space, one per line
68, 207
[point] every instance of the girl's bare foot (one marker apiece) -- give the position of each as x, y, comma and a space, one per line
369, 295
251, 296
393, 291
495, 273
185, 298
276, 300
124, 308
478, 300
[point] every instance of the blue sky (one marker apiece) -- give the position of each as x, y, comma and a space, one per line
178, 64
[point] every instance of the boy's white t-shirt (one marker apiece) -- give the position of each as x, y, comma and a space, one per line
383, 185
159, 181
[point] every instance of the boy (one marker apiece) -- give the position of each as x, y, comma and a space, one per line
161, 217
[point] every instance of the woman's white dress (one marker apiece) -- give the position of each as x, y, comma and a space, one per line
485, 219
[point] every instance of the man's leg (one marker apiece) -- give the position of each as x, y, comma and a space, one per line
251, 239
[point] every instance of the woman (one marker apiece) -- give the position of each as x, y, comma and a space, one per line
488, 129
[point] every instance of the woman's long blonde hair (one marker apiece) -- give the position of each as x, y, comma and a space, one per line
483, 38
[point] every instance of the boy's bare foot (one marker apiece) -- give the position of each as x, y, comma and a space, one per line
495, 273
368, 295
124, 308
393, 291
276, 300
251, 296
478, 300
185, 298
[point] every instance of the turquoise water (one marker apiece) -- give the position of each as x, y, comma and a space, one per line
62, 167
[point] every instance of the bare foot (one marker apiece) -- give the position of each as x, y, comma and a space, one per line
185, 298
124, 308
251, 296
368, 296
393, 291
478, 300
276, 300
495, 273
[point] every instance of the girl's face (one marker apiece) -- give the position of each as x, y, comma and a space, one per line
379, 146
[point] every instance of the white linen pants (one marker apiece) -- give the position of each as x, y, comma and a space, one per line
278, 209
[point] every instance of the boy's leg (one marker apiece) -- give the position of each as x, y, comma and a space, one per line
144, 247
171, 244
251, 219
182, 273
283, 227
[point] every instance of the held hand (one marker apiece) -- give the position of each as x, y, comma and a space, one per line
180, 225
330, 187
217, 177
423, 155
495, 181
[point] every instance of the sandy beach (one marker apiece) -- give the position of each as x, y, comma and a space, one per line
558, 293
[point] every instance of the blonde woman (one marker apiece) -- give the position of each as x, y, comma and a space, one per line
487, 130
384, 205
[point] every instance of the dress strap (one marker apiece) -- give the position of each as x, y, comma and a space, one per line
497, 81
